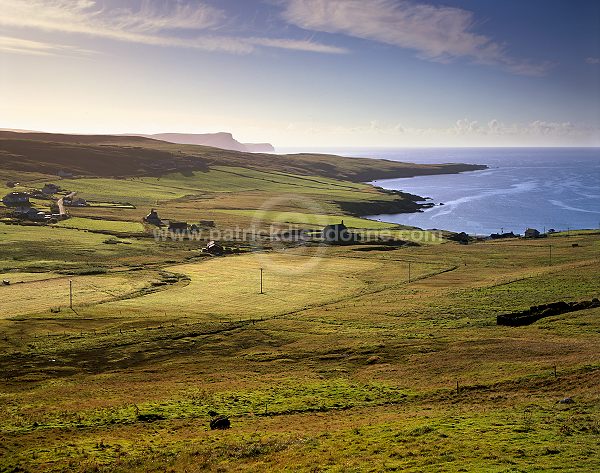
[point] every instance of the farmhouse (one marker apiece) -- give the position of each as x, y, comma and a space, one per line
50, 189
153, 219
16, 199
461, 238
36, 215
338, 233
214, 248
75, 202
532, 233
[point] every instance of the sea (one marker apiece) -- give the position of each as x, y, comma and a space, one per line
541, 188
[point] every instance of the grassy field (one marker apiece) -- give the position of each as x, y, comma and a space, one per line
341, 365
309, 220
117, 226
230, 289
218, 180
41, 295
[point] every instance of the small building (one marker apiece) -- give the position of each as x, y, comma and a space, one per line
21, 209
16, 199
50, 189
76, 202
207, 223
338, 233
462, 238
153, 219
532, 233
499, 236
178, 226
214, 248
36, 215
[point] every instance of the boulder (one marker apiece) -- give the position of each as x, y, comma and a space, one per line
220, 423
566, 400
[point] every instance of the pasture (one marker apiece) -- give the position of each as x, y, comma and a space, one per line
38, 295
344, 365
229, 289
116, 226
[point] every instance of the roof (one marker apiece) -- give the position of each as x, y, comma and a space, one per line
336, 226
181, 225
17, 195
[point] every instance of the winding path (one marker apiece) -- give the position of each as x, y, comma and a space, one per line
61, 204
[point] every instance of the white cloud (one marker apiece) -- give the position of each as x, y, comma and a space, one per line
464, 132
300, 45
537, 128
436, 33
150, 23
592, 60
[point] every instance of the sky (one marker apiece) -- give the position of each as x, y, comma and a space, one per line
307, 73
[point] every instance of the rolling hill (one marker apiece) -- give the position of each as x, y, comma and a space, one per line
126, 156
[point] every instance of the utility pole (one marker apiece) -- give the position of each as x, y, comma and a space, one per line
261, 281
71, 294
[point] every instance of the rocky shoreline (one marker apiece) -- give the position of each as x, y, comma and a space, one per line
402, 202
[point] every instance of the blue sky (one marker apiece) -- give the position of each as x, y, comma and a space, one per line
307, 72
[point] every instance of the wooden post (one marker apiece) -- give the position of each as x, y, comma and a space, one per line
261, 281
555, 375
71, 294
409, 271
457, 388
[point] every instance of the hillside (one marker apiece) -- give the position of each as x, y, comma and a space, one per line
123, 156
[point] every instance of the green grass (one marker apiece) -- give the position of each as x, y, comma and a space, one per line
132, 190
146, 190
341, 365
117, 226
44, 294
229, 289
51, 248
310, 220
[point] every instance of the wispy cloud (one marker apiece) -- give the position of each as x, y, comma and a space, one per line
537, 128
24, 46
144, 22
436, 33
463, 132
592, 60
